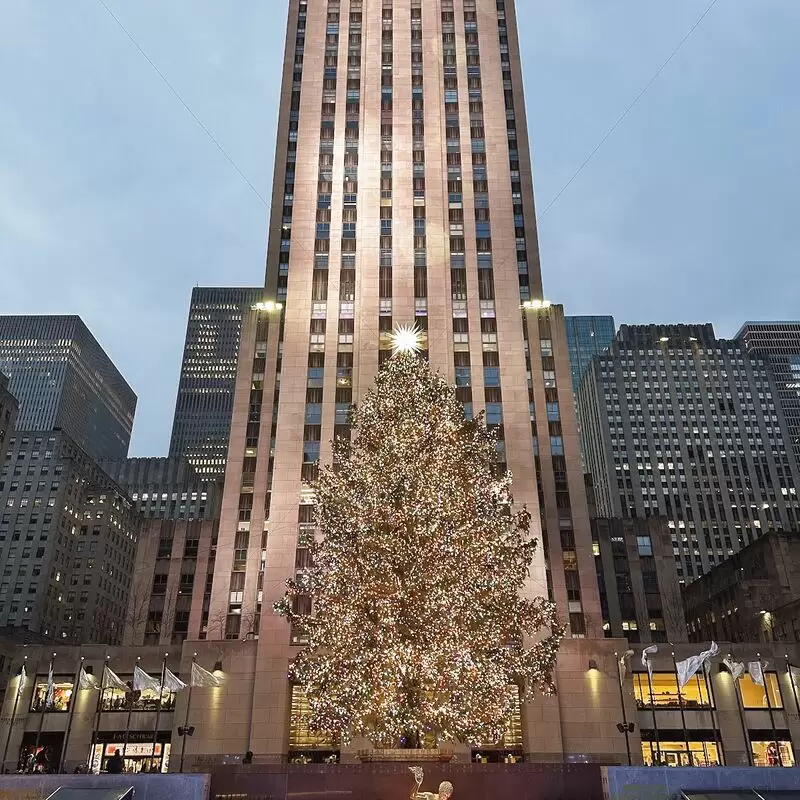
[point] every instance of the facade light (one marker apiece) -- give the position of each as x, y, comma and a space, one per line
536, 305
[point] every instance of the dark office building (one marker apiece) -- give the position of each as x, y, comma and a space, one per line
587, 337
639, 591
63, 379
9, 408
68, 537
754, 596
166, 488
779, 343
679, 424
204, 405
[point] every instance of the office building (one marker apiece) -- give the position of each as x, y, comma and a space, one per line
402, 196
63, 379
174, 567
204, 405
68, 538
587, 337
166, 488
753, 596
9, 408
682, 425
779, 344
639, 590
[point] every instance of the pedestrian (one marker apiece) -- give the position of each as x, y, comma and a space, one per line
115, 764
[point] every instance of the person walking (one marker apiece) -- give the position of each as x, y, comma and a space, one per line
115, 764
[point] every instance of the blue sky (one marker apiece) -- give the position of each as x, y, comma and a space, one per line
113, 202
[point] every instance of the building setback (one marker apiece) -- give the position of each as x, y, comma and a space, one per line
68, 538
754, 596
9, 408
402, 196
779, 344
204, 404
680, 424
63, 379
173, 573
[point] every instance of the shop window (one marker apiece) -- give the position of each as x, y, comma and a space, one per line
676, 754
147, 700
62, 693
665, 691
755, 696
138, 756
773, 753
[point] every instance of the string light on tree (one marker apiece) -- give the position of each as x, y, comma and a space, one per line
418, 624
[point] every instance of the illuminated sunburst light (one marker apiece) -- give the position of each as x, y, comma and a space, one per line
406, 339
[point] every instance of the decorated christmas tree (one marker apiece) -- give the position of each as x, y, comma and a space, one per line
418, 624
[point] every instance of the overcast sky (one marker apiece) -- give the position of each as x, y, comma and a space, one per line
114, 203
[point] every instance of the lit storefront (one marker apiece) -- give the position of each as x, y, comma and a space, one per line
672, 749
138, 754
662, 691
62, 694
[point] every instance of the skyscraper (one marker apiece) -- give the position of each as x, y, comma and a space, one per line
203, 408
587, 337
402, 196
9, 408
64, 379
779, 343
680, 424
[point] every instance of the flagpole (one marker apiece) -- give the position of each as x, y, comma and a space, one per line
96, 731
73, 702
700, 695
737, 691
655, 721
621, 702
130, 711
683, 716
792, 682
189, 703
712, 701
158, 707
44, 703
20, 689
765, 678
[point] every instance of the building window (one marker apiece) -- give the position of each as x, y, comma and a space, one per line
754, 696
703, 753
62, 692
771, 753
665, 691
300, 735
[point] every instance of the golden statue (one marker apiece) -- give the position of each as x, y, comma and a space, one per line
445, 788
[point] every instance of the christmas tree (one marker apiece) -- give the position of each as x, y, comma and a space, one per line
418, 625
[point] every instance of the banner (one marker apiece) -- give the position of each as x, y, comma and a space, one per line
736, 668
86, 681
48, 697
687, 668
172, 683
142, 681
202, 677
623, 665
646, 662
756, 670
112, 681
23, 678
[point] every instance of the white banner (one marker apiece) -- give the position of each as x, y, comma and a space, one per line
202, 677
756, 670
624, 663
688, 667
736, 668
646, 662
172, 683
142, 681
112, 681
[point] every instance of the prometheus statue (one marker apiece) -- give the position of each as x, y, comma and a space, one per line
445, 788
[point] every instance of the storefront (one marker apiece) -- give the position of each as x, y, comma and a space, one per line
138, 755
771, 749
670, 748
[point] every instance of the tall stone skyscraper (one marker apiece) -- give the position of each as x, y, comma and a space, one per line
402, 196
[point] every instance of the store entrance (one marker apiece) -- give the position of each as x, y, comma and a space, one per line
137, 756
